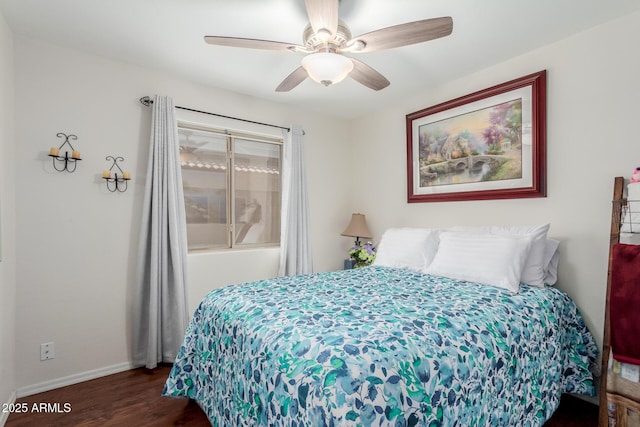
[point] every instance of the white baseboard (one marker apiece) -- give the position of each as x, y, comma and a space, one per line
74, 379
4, 416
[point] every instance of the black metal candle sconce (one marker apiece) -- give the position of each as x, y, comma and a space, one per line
70, 162
117, 182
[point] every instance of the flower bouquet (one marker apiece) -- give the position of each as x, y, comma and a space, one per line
363, 255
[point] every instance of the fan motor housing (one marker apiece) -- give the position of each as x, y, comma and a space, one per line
313, 43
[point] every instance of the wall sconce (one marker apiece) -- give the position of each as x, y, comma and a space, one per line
69, 162
117, 182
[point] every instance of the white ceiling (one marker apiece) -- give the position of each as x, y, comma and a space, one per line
168, 35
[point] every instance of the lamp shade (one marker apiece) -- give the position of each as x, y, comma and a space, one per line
357, 227
326, 67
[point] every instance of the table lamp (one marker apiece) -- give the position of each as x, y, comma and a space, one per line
357, 228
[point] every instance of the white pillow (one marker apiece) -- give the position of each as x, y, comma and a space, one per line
534, 268
533, 272
551, 257
412, 248
489, 259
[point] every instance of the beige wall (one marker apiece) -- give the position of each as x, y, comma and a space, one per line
592, 111
77, 243
7, 222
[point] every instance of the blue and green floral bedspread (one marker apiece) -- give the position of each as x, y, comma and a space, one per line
381, 346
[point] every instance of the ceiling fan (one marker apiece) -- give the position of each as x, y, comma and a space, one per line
326, 38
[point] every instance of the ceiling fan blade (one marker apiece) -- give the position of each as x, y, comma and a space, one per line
292, 80
405, 34
364, 74
251, 43
323, 15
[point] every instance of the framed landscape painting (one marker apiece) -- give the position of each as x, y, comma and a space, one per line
490, 144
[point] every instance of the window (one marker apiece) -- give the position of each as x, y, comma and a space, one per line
231, 185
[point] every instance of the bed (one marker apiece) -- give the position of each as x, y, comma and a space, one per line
383, 345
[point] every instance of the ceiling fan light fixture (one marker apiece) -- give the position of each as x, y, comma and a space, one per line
327, 68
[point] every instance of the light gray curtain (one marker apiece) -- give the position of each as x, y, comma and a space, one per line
160, 310
295, 243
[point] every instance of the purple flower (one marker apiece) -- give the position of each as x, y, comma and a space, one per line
363, 254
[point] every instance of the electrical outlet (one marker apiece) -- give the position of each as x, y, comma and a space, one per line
47, 351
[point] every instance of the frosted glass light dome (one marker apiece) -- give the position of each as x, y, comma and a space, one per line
327, 68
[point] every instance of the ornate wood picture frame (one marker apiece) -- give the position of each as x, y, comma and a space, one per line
490, 144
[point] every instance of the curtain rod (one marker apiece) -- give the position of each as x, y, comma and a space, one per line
145, 100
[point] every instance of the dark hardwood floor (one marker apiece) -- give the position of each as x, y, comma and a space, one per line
133, 398
130, 398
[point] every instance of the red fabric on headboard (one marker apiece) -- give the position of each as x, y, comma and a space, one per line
624, 303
